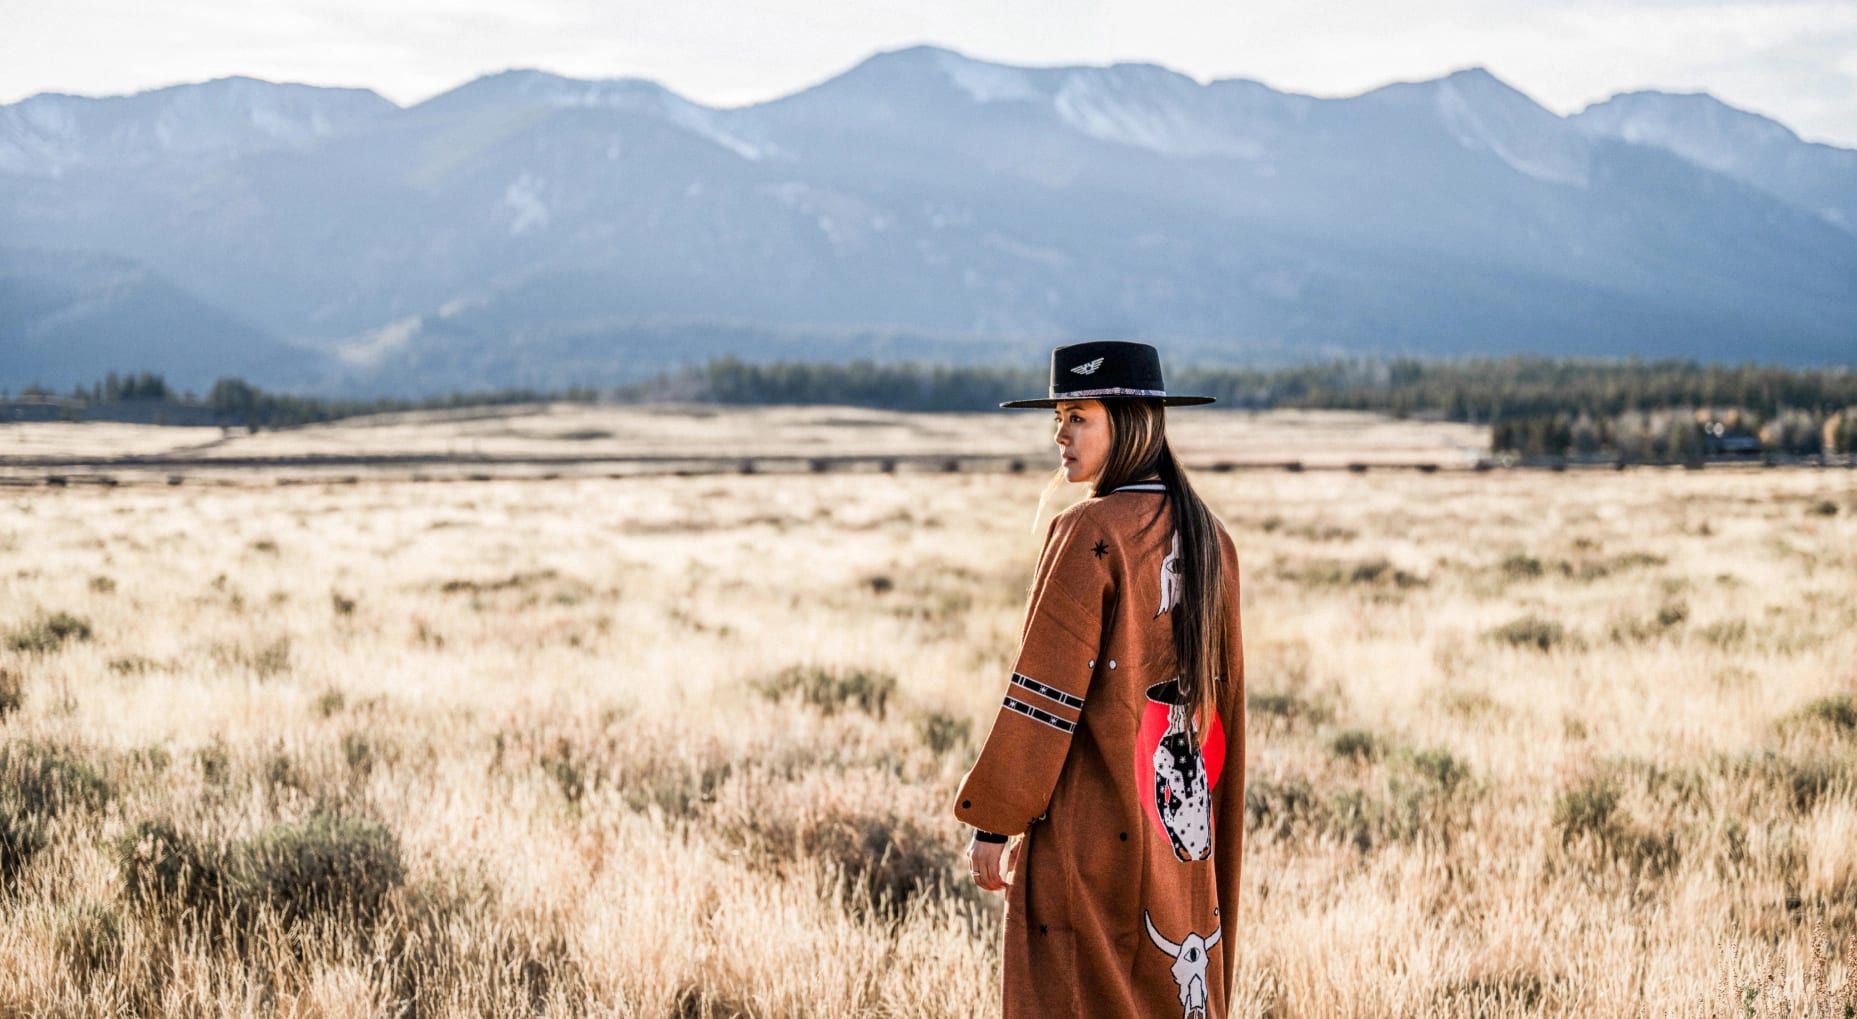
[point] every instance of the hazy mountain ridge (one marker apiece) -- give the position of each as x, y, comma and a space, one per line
51, 134
533, 224
1746, 146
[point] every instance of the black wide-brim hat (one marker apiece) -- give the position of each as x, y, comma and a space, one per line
1107, 370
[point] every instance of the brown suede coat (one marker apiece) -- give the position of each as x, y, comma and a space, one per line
1124, 904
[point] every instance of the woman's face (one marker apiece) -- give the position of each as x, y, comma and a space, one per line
1083, 439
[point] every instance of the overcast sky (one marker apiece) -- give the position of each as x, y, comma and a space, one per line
1794, 60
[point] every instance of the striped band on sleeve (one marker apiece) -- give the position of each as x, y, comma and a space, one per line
1040, 715
1047, 692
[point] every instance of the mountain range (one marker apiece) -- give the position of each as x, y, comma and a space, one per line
527, 229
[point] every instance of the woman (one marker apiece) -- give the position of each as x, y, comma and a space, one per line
1118, 754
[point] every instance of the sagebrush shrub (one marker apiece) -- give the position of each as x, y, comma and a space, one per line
1531, 631
46, 779
831, 689
851, 823
21, 838
12, 692
89, 938
1442, 767
1587, 808
326, 865
1287, 706
942, 732
1838, 712
49, 633
1357, 745
164, 868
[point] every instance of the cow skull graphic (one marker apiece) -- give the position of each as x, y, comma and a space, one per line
1189, 968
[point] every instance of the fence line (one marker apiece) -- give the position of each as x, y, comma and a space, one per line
20, 471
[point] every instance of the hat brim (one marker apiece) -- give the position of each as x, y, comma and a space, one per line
1166, 401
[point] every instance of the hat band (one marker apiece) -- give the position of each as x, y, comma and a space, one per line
1115, 391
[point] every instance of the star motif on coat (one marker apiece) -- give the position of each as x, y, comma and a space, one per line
1101, 549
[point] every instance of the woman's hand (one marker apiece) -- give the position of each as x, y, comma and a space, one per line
983, 858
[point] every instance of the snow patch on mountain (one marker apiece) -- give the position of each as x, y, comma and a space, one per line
1483, 113
1149, 108
1698, 127
524, 199
703, 122
987, 83
1758, 151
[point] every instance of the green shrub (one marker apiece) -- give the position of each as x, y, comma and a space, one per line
679, 790
1589, 818
1596, 569
1286, 706
103, 585
1724, 633
49, 633
831, 689
1824, 508
1356, 745
21, 838
330, 702
884, 860
1803, 780
1364, 572
12, 692
272, 659
1281, 808
1531, 631
513, 582
89, 938
562, 762
164, 868
45, 779
1441, 767
215, 760
359, 751
1417, 799
1632, 630
1838, 712
327, 865
1522, 567
1586, 809
943, 733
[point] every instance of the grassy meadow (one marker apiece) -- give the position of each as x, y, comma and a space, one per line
1520, 744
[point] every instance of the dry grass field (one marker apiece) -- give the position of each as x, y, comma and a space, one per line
1521, 744
601, 435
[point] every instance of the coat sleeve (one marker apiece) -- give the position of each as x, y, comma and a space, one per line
1011, 783
1229, 807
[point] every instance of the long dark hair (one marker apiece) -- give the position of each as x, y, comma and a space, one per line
1138, 450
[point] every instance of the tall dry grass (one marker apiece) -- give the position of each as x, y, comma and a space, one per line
1521, 745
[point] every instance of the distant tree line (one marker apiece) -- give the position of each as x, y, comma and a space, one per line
1667, 411
1476, 390
1638, 410
234, 402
